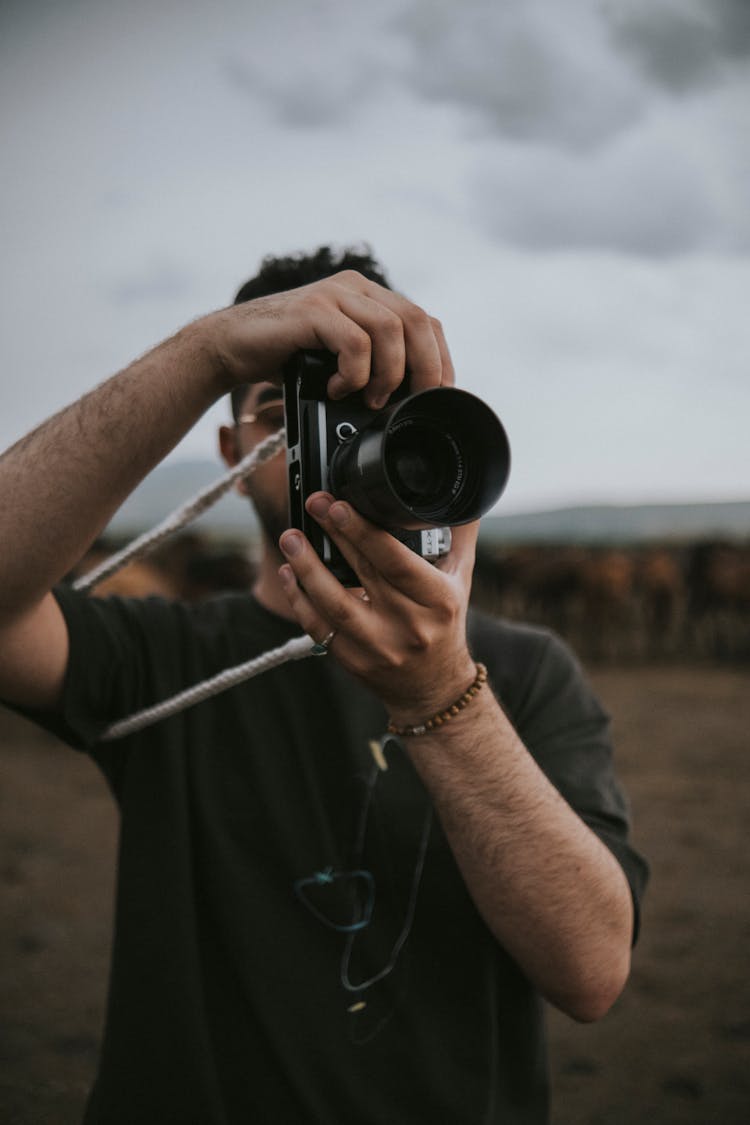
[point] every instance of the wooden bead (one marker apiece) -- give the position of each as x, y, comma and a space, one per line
444, 716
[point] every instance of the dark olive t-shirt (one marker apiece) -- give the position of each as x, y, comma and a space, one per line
256, 831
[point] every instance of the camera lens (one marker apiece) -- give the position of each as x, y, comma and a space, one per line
423, 463
438, 458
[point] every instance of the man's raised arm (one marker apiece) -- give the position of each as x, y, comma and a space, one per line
549, 890
60, 485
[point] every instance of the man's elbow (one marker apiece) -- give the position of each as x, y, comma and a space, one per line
596, 993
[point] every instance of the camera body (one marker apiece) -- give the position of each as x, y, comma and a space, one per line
316, 427
422, 464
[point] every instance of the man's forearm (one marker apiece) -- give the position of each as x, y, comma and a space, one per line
549, 890
61, 484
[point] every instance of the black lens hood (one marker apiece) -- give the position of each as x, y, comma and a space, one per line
362, 468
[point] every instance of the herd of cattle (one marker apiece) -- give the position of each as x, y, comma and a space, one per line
627, 603
686, 601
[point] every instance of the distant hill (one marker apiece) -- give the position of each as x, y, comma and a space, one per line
613, 523
174, 483
171, 485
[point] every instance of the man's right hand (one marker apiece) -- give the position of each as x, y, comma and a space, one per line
375, 333
60, 486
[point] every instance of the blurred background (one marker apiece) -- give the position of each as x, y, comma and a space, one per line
566, 187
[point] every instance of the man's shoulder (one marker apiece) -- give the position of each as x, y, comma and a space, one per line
225, 623
215, 611
507, 642
524, 661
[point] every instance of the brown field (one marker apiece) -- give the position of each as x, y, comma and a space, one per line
674, 1051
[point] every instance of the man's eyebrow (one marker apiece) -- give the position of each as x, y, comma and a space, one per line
268, 394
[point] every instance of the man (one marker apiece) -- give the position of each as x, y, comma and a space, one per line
316, 923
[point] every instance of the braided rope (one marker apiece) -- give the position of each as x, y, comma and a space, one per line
296, 649
183, 515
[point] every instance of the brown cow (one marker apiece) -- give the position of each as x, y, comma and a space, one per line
718, 578
661, 593
138, 579
188, 568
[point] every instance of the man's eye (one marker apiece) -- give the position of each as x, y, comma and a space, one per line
273, 417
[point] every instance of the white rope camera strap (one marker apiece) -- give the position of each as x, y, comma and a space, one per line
183, 515
295, 649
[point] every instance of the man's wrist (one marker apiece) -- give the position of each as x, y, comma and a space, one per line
205, 338
422, 704
444, 715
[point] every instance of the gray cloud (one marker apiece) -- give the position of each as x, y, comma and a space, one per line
311, 63
683, 45
584, 140
528, 70
300, 99
573, 79
556, 205
674, 186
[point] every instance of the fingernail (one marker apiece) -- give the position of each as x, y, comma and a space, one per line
291, 543
378, 402
319, 507
339, 514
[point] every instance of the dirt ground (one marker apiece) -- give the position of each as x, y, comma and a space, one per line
675, 1050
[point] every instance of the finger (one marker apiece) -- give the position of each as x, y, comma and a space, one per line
304, 611
386, 358
427, 356
313, 622
340, 333
323, 601
448, 377
382, 563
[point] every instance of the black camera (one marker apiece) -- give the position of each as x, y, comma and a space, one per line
424, 463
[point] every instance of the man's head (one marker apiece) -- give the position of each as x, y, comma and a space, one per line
257, 408
276, 275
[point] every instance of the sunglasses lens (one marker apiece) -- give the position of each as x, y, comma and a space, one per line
272, 417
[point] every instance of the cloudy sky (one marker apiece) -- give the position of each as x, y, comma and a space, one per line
565, 185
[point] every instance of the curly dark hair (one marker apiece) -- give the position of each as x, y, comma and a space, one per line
279, 274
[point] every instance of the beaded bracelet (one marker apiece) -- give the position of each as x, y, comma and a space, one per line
444, 716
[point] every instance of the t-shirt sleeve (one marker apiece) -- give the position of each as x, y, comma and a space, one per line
565, 728
124, 654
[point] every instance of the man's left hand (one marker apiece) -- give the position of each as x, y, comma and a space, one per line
407, 639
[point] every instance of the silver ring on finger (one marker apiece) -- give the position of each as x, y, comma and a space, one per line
320, 648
